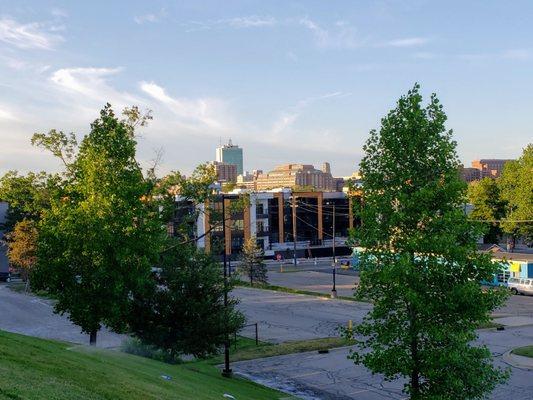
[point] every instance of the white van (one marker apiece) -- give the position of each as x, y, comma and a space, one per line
521, 285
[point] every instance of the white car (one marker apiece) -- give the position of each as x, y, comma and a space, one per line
521, 285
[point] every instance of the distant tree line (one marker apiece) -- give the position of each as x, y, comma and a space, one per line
506, 203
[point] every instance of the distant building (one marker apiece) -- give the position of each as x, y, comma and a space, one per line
225, 172
469, 174
230, 154
268, 217
297, 175
491, 168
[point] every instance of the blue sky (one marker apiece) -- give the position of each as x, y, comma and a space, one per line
290, 81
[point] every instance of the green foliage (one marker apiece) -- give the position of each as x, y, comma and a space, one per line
136, 347
420, 268
485, 196
516, 186
100, 237
28, 196
40, 369
183, 312
252, 262
22, 247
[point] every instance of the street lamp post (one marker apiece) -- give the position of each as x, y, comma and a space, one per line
334, 261
294, 230
227, 370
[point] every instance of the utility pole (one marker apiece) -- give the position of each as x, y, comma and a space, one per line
226, 372
334, 262
294, 229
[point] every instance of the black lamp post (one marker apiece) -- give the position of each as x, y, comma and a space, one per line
334, 261
226, 372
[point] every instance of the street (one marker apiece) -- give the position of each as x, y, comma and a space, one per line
334, 376
282, 317
34, 316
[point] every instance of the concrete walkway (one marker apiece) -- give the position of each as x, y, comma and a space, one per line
34, 316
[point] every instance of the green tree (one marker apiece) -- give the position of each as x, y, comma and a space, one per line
27, 195
516, 186
22, 247
100, 237
182, 311
420, 267
252, 262
485, 196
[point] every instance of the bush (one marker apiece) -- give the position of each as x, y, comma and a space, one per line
138, 348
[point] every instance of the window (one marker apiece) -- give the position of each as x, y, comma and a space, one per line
259, 209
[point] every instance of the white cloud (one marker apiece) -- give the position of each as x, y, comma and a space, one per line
517, 54
288, 118
252, 21
203, 112
407, 42
150, 17
341, 35
34, 35
7, 115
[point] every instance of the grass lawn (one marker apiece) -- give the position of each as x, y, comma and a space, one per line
526, 351
246, 349
293, 291
33, 368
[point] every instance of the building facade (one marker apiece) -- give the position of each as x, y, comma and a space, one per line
297, 175
278, 220
225, 172
489, 168
230, 154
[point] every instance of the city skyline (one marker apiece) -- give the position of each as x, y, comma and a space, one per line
301, 83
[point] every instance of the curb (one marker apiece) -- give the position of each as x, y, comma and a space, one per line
517, 361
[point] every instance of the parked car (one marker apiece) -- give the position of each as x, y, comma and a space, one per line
520, 285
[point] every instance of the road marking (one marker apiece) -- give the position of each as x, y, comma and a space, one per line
308, 374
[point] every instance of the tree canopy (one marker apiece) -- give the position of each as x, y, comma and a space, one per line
420, 267
100, 237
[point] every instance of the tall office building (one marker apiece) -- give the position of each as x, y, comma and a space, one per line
230, 154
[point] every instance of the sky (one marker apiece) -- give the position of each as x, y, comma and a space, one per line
289, 81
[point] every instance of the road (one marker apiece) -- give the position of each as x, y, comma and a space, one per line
334, 376
34, 316
283, 316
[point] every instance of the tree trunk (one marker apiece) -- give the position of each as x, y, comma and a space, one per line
251, 275
92, 338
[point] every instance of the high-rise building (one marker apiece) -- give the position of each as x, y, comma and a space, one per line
230, 154
225, 172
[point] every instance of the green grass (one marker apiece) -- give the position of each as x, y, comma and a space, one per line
33, 368
526, 351
292, 291
246, 349
489, 325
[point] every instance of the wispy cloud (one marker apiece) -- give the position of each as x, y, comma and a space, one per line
206, 112
35, 35
150, 17
289, 117
7, 115
252, 21
407, 42
517, 54
340, 35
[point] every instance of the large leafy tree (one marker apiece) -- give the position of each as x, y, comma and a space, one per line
182, 310
420, 267
100, 237
485, 196
516, 187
